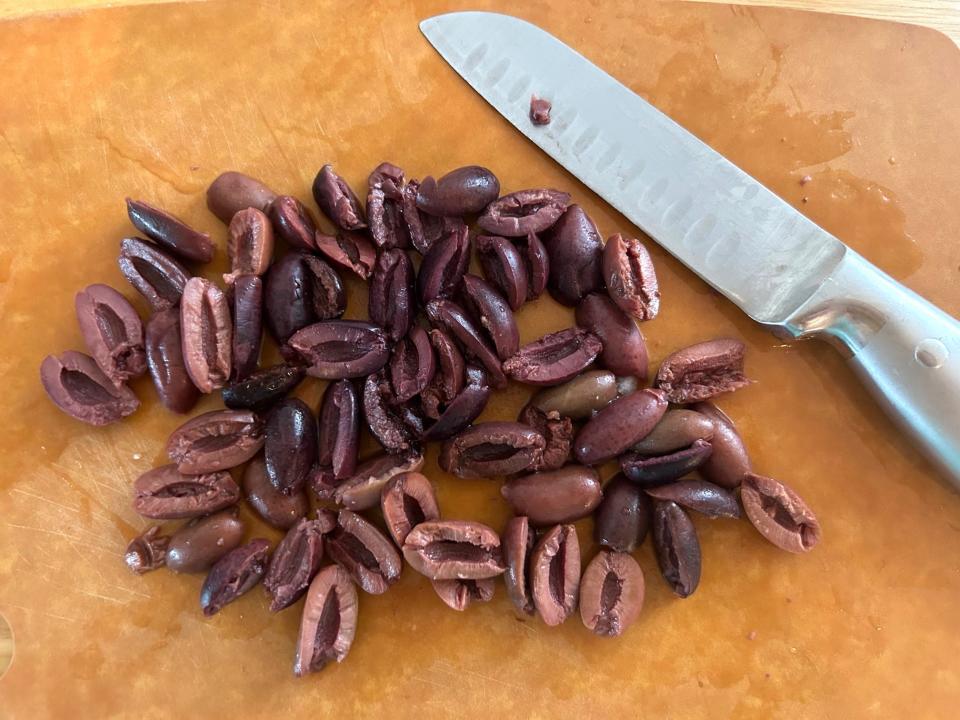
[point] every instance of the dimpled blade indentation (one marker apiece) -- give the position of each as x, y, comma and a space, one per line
724, 225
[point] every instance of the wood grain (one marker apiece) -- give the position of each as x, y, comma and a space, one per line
943, 15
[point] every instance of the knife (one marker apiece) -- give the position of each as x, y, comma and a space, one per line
778, 266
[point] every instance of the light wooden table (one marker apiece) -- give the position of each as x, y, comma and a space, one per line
944, 15
6, 645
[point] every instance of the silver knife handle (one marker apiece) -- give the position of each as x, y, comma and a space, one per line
905, 350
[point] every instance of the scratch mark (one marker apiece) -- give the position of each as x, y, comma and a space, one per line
52, 146
748, 11
218, 119
387, 45
60, 534
13, 151
453, 670
100, 596
153, 163
181, 122
86, 560
203, 639
103, 147
429, 682
45, 613
36, 529
530, 629
43, 499
276, 139
35, 563
796, 98
111, 488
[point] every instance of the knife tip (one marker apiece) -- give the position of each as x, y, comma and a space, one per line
432, 28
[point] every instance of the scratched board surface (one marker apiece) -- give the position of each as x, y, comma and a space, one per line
154, 102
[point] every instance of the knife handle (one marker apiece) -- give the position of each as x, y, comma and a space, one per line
904, 349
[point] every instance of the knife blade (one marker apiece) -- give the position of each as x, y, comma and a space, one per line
778, 266
748, 244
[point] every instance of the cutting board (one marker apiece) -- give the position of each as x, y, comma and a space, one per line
154, 102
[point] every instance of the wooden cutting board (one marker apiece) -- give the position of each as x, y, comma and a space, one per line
154, 102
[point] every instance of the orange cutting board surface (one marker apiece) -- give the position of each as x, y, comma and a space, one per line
154, 102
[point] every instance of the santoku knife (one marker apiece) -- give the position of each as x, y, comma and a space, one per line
781, 268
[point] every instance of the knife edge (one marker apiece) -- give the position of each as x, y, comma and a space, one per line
728, 228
